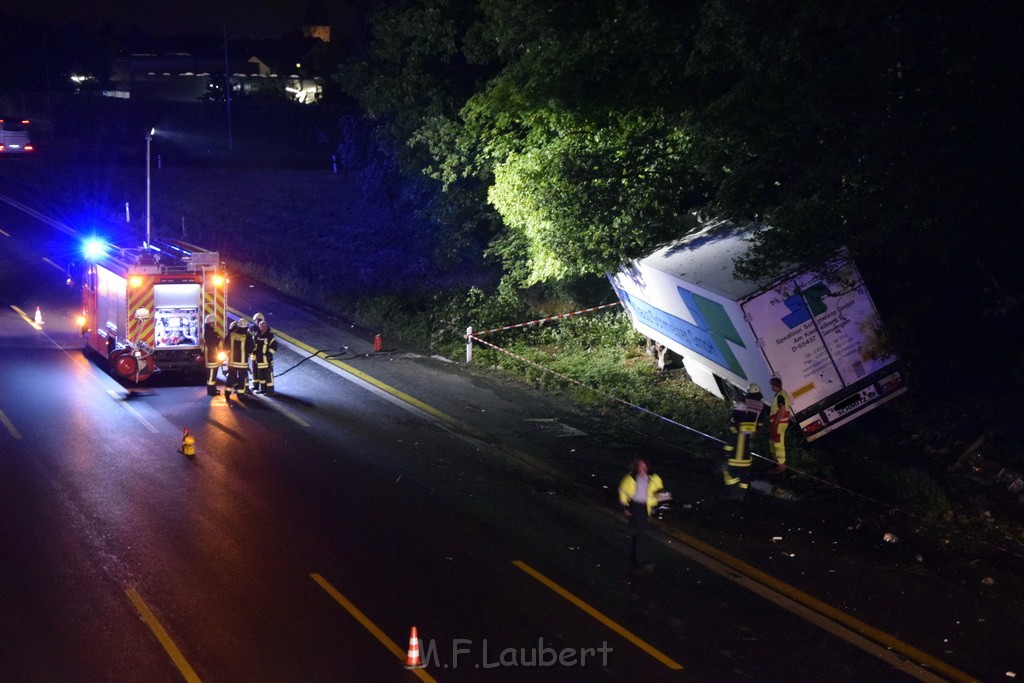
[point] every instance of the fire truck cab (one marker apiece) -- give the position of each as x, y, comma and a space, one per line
143, 308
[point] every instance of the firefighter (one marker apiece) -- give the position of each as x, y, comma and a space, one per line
778, 420
254, 329
240, 347
743, 422
212, 342
266, 347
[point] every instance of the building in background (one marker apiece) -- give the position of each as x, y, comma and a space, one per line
295, 67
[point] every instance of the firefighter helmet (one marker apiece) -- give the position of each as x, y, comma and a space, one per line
258, 317
754, 389
210, 319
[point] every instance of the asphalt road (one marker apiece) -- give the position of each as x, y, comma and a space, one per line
383, 491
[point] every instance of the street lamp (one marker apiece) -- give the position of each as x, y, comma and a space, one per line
149, 139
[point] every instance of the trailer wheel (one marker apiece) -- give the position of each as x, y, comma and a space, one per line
730, 391
667, 359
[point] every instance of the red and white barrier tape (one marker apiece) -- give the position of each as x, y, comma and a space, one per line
673, 422
586, 386
543, 320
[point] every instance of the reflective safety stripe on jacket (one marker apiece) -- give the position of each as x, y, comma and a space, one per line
627, 487
746, 415
239, 347
782, 410
266, 347
211, 342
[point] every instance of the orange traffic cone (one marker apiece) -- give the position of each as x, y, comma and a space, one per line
378, 343
412, 658
39, 316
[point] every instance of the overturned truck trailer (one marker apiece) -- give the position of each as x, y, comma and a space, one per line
818, 330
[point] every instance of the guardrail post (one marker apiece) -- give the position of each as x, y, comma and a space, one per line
469, 344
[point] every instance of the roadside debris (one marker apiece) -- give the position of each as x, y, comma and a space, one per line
890, 537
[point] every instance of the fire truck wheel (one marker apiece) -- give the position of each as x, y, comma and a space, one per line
126, 365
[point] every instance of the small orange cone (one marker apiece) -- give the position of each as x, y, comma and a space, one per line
39, 316
412, 658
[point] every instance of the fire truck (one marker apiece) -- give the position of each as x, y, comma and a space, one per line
143, 308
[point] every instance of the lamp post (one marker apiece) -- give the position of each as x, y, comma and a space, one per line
149, 139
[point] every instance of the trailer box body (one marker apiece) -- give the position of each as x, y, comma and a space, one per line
144, 309
820, 334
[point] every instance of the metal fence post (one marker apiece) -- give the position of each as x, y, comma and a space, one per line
469, 344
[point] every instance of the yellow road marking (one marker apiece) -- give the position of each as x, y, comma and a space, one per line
10, 425
161, 635
25, 317
814, 605
431, 410
643, 645
372, 384
287, 413
369, 625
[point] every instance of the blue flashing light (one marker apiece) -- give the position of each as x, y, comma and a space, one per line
94, 249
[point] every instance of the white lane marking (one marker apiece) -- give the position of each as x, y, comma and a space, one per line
58, 267
130, 409
9, 425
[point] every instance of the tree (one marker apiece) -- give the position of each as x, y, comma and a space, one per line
569, 115
592, 126
890, 127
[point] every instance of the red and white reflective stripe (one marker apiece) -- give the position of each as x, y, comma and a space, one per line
544, 320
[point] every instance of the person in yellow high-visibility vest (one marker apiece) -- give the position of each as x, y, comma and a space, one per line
778, 420
638, 496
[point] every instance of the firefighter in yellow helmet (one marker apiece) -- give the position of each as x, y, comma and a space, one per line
240, 347
263, 357
778, 420
254, 329
212, 341
746, 415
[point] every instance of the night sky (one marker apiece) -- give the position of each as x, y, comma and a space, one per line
256, 19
